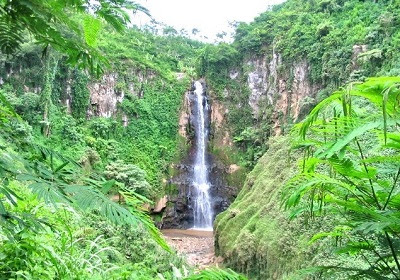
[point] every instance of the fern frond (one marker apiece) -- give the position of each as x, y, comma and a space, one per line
350, 136
48, 153
11, 34
133, 200
91, 199
313, 115
50, 194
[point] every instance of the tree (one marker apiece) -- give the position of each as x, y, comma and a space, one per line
69, 26
133, 178
195, 31
170, 31
351, 171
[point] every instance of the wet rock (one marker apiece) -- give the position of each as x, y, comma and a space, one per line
160, 205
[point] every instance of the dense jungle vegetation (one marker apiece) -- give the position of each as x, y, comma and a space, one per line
321, 208
74, 190
77, 180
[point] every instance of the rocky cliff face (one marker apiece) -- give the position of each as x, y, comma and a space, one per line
105, 93
284, 88
104, 96
108, 92
254, 235
219, 128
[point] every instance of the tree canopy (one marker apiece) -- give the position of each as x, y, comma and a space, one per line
69, 26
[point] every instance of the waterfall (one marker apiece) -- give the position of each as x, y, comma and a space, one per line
202, 204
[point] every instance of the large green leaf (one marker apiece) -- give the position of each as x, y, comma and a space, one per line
91, 28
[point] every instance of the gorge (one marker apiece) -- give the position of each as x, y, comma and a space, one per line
274, 155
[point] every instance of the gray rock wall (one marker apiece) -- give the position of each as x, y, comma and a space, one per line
286, 88
283, 90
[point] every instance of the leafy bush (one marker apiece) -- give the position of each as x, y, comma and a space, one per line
69, 130
132, 176
101, 127
89, 158
68, 245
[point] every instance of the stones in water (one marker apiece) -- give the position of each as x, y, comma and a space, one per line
203, 214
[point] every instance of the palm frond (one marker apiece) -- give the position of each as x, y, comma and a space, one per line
48, 153
313, 115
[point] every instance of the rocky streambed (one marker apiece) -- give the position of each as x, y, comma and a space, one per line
196, 245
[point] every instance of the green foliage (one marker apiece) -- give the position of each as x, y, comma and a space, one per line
58, 179
50, 21
89, 159
214, 58
143, 50
214, 62
45, 96
69, 130
254, 236
132, 176
340, 42
134, 158
71, 246
80, 94
145, 67
252, 141
350, 171
101, 127
216, 274
153, 127
324, 34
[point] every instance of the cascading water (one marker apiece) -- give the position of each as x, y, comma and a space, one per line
202, 204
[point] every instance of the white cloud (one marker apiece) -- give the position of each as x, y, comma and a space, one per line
209, 16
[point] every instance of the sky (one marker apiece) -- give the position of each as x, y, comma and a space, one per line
209, 16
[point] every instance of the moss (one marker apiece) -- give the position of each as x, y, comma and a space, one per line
226, 154
171, 189
157, 217
170, 204
255, 235
237, 178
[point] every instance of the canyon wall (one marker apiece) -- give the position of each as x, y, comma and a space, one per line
278, 93
254, 235
109, 91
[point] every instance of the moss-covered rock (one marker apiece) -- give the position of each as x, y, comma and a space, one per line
255, 235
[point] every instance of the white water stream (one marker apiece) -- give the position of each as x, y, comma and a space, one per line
202, 203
